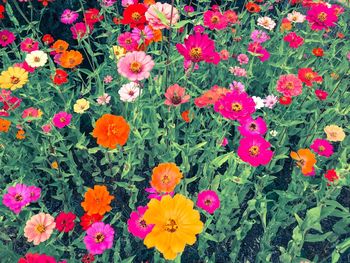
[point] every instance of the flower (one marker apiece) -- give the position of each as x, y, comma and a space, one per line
99, 237
17, 197
39, 228
31, 113
270, 101
208, 200
134, 15
176, 95
238, 72
289, 85
266, 22
334, 133
142, 34
29, 45
137, 225
34, 192
117, 52
46, 128
173, 228
81, 105
259, 36
214, 20
296, 17
88, 258
224, 142
48, 39
308, 76
210, 97
36, 58
273, 133
286, 25
171, 14
104, 99
256, 49
321, 17
331, 175
318, 52
165, 177
97, 200
111, 130
235, 105
129, 92
4, 125
6, 38
60, 46
87, 220
25, 66
153, 193
231, 17
199, 47
71, 59
259, 102
92, 16
13, 78
252, 7
135, 65
238, 86
294, 40
285, 100
60, 77
242, 59
61, 119
78, 30
20, 135
254, 150
321, 94
305, 160
65, 222
68, 17
249, 126
127, 42
322, 147
187, 116
37, 258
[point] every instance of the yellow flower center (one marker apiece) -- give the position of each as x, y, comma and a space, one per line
14, 80
215, 19
171, 226
36, 59
196, 53
321, 148
254, 150
290, 85
309, 76
136, 67
40, 228
62, 119
99, 237
136, 16
18, 197
165, 179
112, 129
236, 106
322, 16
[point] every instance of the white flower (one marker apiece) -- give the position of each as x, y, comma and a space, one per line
36, 58
266, 22
270, 101
259, 102
273, 133
296, 17
129, 92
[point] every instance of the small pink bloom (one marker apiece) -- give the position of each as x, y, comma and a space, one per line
224, 142
78, 30
250, 127
47, 128
224, 54
243, 59
208, 200
28, 45
152, 193
126, 41
25, 66
17, 197
270, 101
61, 119
6, 37
69, 17
259, 36
321, 94
176, 95
198, 29
137, 225
237, 71
104, 99
99, 237
35, 193
322, 147
108, 79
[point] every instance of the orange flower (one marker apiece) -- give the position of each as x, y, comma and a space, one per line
4, 125
165, 177
54, 165
97, 200
305, 160
187, 116
111, 130
157, 35
20, 134
71, 59
60, 46
149, 2
252, 7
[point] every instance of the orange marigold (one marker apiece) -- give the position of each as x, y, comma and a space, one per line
60, 46
165, 177
111, 130
305, 160
97, 200
71, 59
20, 135
4, 125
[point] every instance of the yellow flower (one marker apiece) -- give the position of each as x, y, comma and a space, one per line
175, 222
54, 165
13, 78
334, 133
81, 106
117, 52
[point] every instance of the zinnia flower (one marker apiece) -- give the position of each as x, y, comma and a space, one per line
171, 14
97, 200
334, 133
36, 58
39, 228
65, 222
331, 175
296, 17
99, 237
81, 105
17, 197
321, 17
87, 220
270, 101
255, 150
111, 130
134, 15
322, 147
104, 99
129, 92
321, 94
289, 85
78, 30
117, 52
249, 126
135, 65
176, 95
127, 42
208, 200
214, 20
71, 59
4, 125
259, 36
60, 46
165, 177
305, 160
61, 119
13, 78
294, 40
173, 228
29, 45
308, 76
266, 22
69, 17
137, 225
37, 258
6, 38
60, 77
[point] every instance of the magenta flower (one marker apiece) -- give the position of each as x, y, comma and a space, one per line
198, 29
126, 41
6, 37
257, 50
61, 119
294, 40
224, 142
34, 192
259, 36
78, 30
208, 200
25, 66
235, 105
214, 20
135, 65
250, 127
29, 45
254, 150
137, 225
152, 193
176, 95
69, 17
144, 34
238, 86
321, 17
99, 237
322, 147
17, 197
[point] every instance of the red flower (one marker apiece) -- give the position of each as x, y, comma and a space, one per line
318, 52
60, 77
86, 221
321, 94
36, 258
340, 35
45, 2
65, 222
187, 116
331, 175
285, 100
252, 7
294, 40
308, 76
92, 16
134, 15
2, 11
48, 39
88, 258
117, 20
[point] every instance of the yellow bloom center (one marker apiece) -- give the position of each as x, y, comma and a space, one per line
62, 119
136, 16
322, 16
112, 129
254, 150
309, 76
14, 80
215, 19
290, 85
196, 53
321, 148
236, 106
18, 197
171, 226
40, 228
99, 237
136, 67
36, 59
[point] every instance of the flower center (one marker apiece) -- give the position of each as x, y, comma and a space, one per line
207, 202
135, 67
171, 226
72, 61
165, 179
112, 129
4, 37
252, 127
215, 19
131, 93
142, 223
128, 40
14, 80
290, 85
99, 237
18, 197
321, 148
309, 76
236, 106
40, 228
136, 16
254, 150
176, 99
36, 59
322, 16
62, 119
196, 53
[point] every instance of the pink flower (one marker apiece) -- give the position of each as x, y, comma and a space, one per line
126, 41
29, 45
17, 197
235, 105
78, 30
250, 127
135, 65
214, 20
231, 17
31, 113
198, 29
321, 94
39, 228
254, 150
47, 128
108, 79
99, 237
243, 59
294, 40
154, 194
238, 86
104, 99
224, 54
61, 119
289, 85
321, 17
259, 36
208, 200
270, 101
35, 193
199, 47
322, 147
257, 50
224, 142
175, 96
237, 71
25, 66
189, 9
137, 225
144, 34
153, 18
69, 17
126, 3
6, 37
